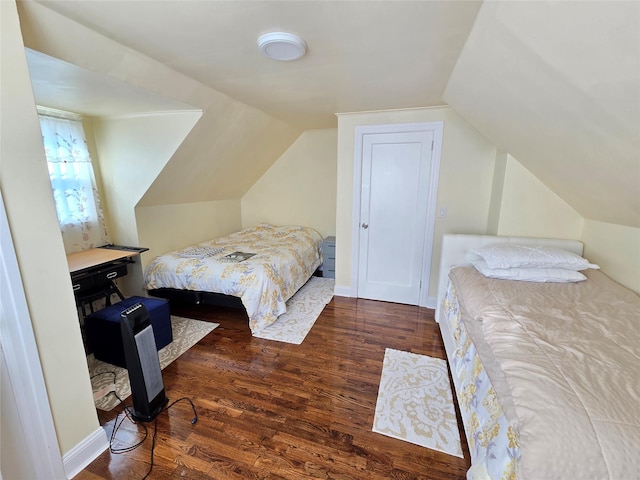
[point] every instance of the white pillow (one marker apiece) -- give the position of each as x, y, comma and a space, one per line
526, 256
556, 275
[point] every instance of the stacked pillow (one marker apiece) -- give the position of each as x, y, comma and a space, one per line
529, 263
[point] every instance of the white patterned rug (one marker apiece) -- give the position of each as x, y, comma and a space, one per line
415, 403
303, 309
106, 377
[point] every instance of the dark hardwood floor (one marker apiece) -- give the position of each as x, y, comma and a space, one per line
271, 410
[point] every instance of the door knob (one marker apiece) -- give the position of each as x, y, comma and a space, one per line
365, 226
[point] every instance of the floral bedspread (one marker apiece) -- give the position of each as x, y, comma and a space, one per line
263, 265
492, 441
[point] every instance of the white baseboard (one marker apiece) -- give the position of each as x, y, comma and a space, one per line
76, 459
348, 291
344, 291
432, 302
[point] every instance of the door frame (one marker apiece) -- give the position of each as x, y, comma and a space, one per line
437, 128
23, 363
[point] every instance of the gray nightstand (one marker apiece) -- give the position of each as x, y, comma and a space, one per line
329, 257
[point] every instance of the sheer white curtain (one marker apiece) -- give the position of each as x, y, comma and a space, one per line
73, 182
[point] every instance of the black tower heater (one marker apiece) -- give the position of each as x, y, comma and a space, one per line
143, 364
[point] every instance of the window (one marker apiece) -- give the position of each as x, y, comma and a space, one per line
73, 183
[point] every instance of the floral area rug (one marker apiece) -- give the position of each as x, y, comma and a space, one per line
106, 378
303, 309
415, 403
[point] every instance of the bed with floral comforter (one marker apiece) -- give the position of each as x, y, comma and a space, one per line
263, 266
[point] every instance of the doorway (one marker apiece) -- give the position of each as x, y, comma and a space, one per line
395, 194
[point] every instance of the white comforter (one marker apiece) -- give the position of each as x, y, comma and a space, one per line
283, 259
565, 362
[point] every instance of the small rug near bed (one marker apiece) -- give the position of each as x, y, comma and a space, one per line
186, 333
415, 403
303, 309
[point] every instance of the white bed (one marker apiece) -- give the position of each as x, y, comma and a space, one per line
548, 386
454, 254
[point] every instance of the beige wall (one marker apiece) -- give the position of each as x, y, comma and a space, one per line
525, 80
528, 208
499, 172
616, 248
466, 176
226, 152
131, 152
300, 188
167, 227
87, 126
24, 181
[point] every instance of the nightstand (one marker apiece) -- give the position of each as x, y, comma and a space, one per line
329, 257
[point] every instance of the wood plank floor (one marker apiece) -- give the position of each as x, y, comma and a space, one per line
271, 410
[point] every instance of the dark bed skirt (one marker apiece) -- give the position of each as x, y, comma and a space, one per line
190, 296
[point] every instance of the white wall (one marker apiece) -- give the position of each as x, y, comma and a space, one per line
300, 188
466, 177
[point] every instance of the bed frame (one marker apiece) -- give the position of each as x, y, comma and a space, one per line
197, 297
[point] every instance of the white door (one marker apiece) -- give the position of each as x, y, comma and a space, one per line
395, 187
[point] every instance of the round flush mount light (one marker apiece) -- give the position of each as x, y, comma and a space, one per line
282, 46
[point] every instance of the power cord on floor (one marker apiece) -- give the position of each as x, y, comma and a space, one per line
127, 414
108, 389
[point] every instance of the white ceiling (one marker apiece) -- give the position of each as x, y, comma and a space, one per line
362, 55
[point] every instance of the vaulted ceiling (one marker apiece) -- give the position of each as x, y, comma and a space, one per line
361, 55
556, 84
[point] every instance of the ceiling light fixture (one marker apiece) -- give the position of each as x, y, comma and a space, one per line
282, 46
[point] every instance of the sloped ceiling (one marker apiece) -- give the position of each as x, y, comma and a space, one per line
362, 55
64, 86
557, 85
210, 164
554, 83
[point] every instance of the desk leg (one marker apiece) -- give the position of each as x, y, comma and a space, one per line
115, 290
105, 293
